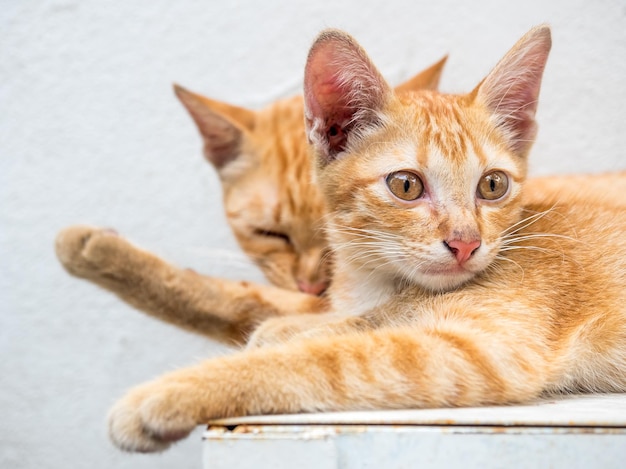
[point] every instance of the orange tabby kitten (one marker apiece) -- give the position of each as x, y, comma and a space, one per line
448, 288
274, 209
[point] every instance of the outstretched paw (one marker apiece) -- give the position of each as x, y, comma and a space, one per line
149, 420
85, 250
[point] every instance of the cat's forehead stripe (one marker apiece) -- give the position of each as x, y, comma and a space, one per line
422, 153
443, 125
478, 150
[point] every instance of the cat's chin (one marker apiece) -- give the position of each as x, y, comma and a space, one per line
443, 280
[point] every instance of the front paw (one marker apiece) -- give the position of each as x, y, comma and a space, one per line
84, 250
150, 419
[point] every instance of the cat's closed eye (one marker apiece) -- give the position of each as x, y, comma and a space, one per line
272, 234
493, 185
405, 185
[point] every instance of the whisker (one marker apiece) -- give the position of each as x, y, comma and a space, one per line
512, 239
504, 258
526, 222
351, 229
529, 248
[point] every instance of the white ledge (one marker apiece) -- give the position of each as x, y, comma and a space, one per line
589, 410
565, 432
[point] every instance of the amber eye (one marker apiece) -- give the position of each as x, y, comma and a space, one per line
493, 186
405, 185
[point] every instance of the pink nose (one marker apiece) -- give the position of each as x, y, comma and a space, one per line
315, 288
462, 250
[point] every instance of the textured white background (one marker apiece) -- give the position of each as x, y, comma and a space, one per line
90, 132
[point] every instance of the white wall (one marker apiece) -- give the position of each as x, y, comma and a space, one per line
90, 132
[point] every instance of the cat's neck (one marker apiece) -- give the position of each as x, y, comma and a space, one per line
356, 290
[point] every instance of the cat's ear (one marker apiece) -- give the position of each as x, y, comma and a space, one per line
427, 79
343, 93
511, 90
222, 126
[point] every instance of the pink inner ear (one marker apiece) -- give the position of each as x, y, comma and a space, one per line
511, 90
327, 97
342, 91
329, 104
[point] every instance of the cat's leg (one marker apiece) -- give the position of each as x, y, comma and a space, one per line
382, 369
280, 330
221, 309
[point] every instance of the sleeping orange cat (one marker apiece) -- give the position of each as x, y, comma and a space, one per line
451, 287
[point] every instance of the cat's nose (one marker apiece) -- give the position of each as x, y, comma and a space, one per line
462, 250
312, 288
